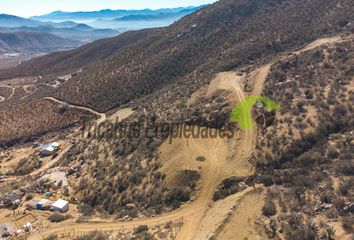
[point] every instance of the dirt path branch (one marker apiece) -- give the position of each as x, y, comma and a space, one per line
193, 213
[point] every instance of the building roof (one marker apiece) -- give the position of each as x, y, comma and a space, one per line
46, 148
55, 144
49, 147
43, 201
60, 203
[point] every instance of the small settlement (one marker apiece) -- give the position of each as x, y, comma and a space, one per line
14, 200
59, 205
25, 212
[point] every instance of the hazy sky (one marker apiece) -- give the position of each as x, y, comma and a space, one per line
27, 8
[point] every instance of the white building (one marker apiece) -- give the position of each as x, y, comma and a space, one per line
60, 205
49, 149
43, 204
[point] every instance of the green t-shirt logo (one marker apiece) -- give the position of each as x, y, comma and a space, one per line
242, 113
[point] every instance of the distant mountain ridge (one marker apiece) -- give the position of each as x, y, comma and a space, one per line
65, 29
89, 54
153, 17
109, 14
91, 26
15, 21
80, 32
34, 42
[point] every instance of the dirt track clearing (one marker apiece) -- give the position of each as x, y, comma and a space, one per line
213, 170
101, 115
227, 81
220, 211
121, 114
318, 43
248, 209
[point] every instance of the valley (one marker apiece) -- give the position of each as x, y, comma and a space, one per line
89, 143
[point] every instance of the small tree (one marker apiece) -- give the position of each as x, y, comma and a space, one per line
269, 209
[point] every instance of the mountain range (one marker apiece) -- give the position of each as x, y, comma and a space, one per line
289, 177
77, 32
88, 26
28, 42
189, 48
108, 14
154, 17
27, 31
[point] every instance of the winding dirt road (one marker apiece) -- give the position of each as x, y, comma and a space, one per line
102, 116
213, 171
193, 213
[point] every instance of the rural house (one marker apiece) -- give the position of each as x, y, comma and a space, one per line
60, 205
49, 149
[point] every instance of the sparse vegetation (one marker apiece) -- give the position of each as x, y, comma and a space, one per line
25, 122
304, 154
52, 237
95, 235
58, 217
308, 161
269, 209
200, 159
228, 187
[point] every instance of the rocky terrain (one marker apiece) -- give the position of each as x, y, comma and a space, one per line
290, 177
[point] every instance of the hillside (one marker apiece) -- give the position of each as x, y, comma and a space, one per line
239, 33
56, 63
307, 153
78, 32
159, 158
148, 175
29, 42
222, 37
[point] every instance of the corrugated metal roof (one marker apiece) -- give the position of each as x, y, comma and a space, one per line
49, 147
60, 203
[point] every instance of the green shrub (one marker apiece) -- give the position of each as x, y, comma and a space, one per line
52, 237
141, 229
96, 235
267, 180
269, 209
58, 217
200, 159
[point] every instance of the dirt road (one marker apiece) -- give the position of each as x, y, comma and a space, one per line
215, 169
13, 89
120, 114
102, 116
213, 172
318, 43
